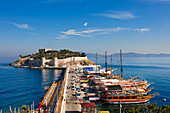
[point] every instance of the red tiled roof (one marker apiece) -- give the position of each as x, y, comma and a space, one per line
88, 105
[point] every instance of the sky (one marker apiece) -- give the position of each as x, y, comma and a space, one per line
91, 26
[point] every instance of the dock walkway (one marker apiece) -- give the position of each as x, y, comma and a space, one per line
72, 105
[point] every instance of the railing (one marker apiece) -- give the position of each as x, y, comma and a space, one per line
45, 97
64, 95
59, 108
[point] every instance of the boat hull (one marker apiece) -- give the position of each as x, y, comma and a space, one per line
126, 101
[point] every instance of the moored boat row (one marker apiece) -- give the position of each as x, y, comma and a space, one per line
104, 86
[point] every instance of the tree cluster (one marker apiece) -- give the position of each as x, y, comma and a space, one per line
152, 108
61, 54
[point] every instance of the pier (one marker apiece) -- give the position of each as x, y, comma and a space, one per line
53, 100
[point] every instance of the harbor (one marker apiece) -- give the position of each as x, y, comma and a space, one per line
84, 56
90, 88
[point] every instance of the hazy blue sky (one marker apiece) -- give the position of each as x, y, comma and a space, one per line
141, 26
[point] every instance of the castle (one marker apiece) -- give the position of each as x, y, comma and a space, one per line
43, 62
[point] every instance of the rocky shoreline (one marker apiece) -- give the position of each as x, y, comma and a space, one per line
21, 63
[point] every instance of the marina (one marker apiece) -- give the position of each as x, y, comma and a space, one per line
84, 87
65, 56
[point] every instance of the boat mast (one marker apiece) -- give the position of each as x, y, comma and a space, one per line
96, 62
111, 64
106, 61
121, 62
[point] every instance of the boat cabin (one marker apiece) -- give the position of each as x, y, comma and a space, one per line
122, 97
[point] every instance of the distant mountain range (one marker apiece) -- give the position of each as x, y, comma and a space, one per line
130, 54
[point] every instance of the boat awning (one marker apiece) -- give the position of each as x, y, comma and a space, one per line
83, 105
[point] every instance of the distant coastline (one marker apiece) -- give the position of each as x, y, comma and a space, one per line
129, 54
8, 60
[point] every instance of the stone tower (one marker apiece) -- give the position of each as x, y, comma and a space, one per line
55, 62
43, 61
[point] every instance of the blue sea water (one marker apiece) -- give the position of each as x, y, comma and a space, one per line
19, 86
22, 86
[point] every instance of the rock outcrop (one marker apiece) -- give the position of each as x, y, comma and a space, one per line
20, 62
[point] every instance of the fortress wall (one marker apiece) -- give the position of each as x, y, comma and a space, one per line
35, 62
54, 62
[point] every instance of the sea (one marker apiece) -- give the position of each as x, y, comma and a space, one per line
23, 86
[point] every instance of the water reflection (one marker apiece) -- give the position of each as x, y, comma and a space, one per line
57, 73
49, 75
45, 74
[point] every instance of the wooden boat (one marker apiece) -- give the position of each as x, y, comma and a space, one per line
94, 98
127, 99
143, 91
135, 86
109, 86
123, 92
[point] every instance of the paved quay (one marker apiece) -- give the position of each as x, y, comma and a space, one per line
72, 105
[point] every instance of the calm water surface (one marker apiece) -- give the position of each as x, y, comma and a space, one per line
19, 86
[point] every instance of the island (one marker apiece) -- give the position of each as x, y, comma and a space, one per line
48, 58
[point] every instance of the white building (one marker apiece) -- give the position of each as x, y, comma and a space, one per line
44, 50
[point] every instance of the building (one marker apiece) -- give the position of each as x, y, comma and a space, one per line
44, 50
55, 61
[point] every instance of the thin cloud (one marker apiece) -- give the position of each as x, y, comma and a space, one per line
93, 32
21, 26
74, 32
62, 37
142, 30
122, 15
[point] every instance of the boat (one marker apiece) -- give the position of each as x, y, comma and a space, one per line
94, 98
128, 99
